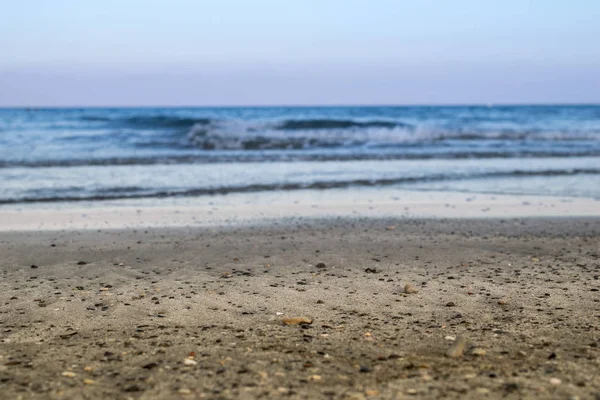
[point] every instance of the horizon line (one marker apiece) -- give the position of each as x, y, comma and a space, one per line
348, 105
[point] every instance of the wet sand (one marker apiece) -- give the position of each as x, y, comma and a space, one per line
266, 207
197, 312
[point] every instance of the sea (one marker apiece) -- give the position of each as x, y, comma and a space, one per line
50, 155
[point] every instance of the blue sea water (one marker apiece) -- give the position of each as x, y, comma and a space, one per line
95, 154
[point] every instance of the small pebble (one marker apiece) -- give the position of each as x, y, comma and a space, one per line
555, 381
478, 352
364, 369
297, 321
410, 289
458, 347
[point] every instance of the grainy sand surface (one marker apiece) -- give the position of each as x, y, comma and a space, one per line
196, 312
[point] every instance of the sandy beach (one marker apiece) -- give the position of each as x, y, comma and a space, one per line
496, 308
338, 200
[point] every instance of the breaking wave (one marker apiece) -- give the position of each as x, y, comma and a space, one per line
322, 133
294, 134
327, 134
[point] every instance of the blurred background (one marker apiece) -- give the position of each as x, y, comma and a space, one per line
118, 101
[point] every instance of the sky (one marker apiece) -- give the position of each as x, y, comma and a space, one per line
309, 52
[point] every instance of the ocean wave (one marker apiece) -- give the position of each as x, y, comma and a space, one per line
122, 193
148, 121
508, 135
318, 124
161, 121
241, 135
296, 134
324, 133
250, 157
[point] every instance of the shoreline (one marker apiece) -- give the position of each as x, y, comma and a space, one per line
253, 208
197, 312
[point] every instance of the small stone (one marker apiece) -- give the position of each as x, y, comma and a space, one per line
314, 378
81, 263
370, 393
297, 321
555, 381
89, 381
132, 388
34, 266
450, 304
364, 369
501, 302
482, 390
184, 391
477, 351
458, 347
69, 374
189, 361
410, 289
321, 266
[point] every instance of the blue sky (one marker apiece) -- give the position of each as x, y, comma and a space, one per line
260, 52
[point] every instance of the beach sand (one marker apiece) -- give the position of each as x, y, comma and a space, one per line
196, 312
